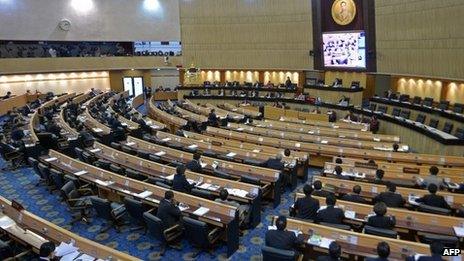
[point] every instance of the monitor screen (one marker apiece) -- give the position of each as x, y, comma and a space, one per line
344, 49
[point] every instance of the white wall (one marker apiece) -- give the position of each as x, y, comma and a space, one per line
107, 20
165, 77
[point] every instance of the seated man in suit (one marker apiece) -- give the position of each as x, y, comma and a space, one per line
7, 96
307, 207
277, 164
47, 251
116, 124
335, 251
433, 199
212, 118
383, 251
395, 147
282, 239
379, 173
390, 197
380, 220
355, 197
432, 178
242, 209
317, 185
338, 171
180, 183
330, 214
195, 164
168, 211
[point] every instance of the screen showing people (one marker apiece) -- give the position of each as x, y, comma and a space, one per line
344, 49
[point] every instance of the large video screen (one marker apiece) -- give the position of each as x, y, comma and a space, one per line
344, 49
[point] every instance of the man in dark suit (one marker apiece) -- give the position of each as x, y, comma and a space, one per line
47, 251
338, 172
180, 183
195, 165
306, 208
335, 251
318, 192
115, 124
433, 199
380, 220
383, 251
212, 118
168, 212
436, 249
275, 163
390, 198
330, 214
282, 239
355, 197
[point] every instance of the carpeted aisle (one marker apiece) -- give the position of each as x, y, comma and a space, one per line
21, 186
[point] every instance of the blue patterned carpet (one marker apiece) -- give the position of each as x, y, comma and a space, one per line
21, 186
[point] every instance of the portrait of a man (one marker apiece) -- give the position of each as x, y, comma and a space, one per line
343, 11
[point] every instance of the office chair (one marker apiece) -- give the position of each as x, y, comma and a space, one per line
135, 209
143, 154
433, 123
250, 180
372, 106
79, 152
405, 114
201, 193
448, 241
199, 235
88, 158
404, 98
111, 212
417, 100
115, 145
116, 169
458, 108
339, 226
448, 127
222, 174
56, 178
253, 162
156, 228
163, 185
35, 165
77, 201
275, 254
155, 158
103, 164
380, 232
433, 210
396, 111
45, 174
443, 105
427, 102
12, 157
459, 133
129, 150
382, 109
420, 118
133, 174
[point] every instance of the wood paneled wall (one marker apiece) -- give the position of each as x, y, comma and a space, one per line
420, 37
258, 34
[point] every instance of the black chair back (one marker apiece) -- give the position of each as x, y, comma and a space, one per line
433, 210
163, 185
458, 108
459, 133
275, 254
133, 174
154, 226
339, 226
448, 241
143, 155
196, 232
417, 100
135, 209
405, 114
102, 207
44, 171
57, 178
433, 123
129, 150
444, 105
201, 193
448, 128
88, 158
116, 169
34, 164
79, 152
380, 232
221, 174
250, 180
396, 111
382, 109
428, 102
116, 145
154, 158
420, 118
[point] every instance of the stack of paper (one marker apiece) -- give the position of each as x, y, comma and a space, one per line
144, 194
104, 183
204, 186
201, 211
459, 231
6, 222
97, 130
95, 150
170, 177
183, 207
166, 139
238, 192
50, 159
65, 249
80, 173
161, 153
130, 143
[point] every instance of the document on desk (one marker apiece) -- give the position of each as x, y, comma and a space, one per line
323, 242
170, 177
459, 231
95, 150
324, 141
50, 159
85, 257
350, 214
412, 200
231, 154
144, 194
240, 129
71, 256
65, 249
376, 139
6, 222
193, 146
104, 183
97, 130
201, 211
202, 164
161, 153
166, 139
204, 186
80, 173
130, 143
271, 228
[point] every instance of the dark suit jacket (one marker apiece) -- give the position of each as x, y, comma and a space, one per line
330, 215
354, 198
181, 184
391, 199
426, 258
168, 213
285, 240
381, 222
194, 166
275, 164
434, 201
321, 193
306, 208
212, 118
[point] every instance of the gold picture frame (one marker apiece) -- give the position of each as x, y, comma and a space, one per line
343, 11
